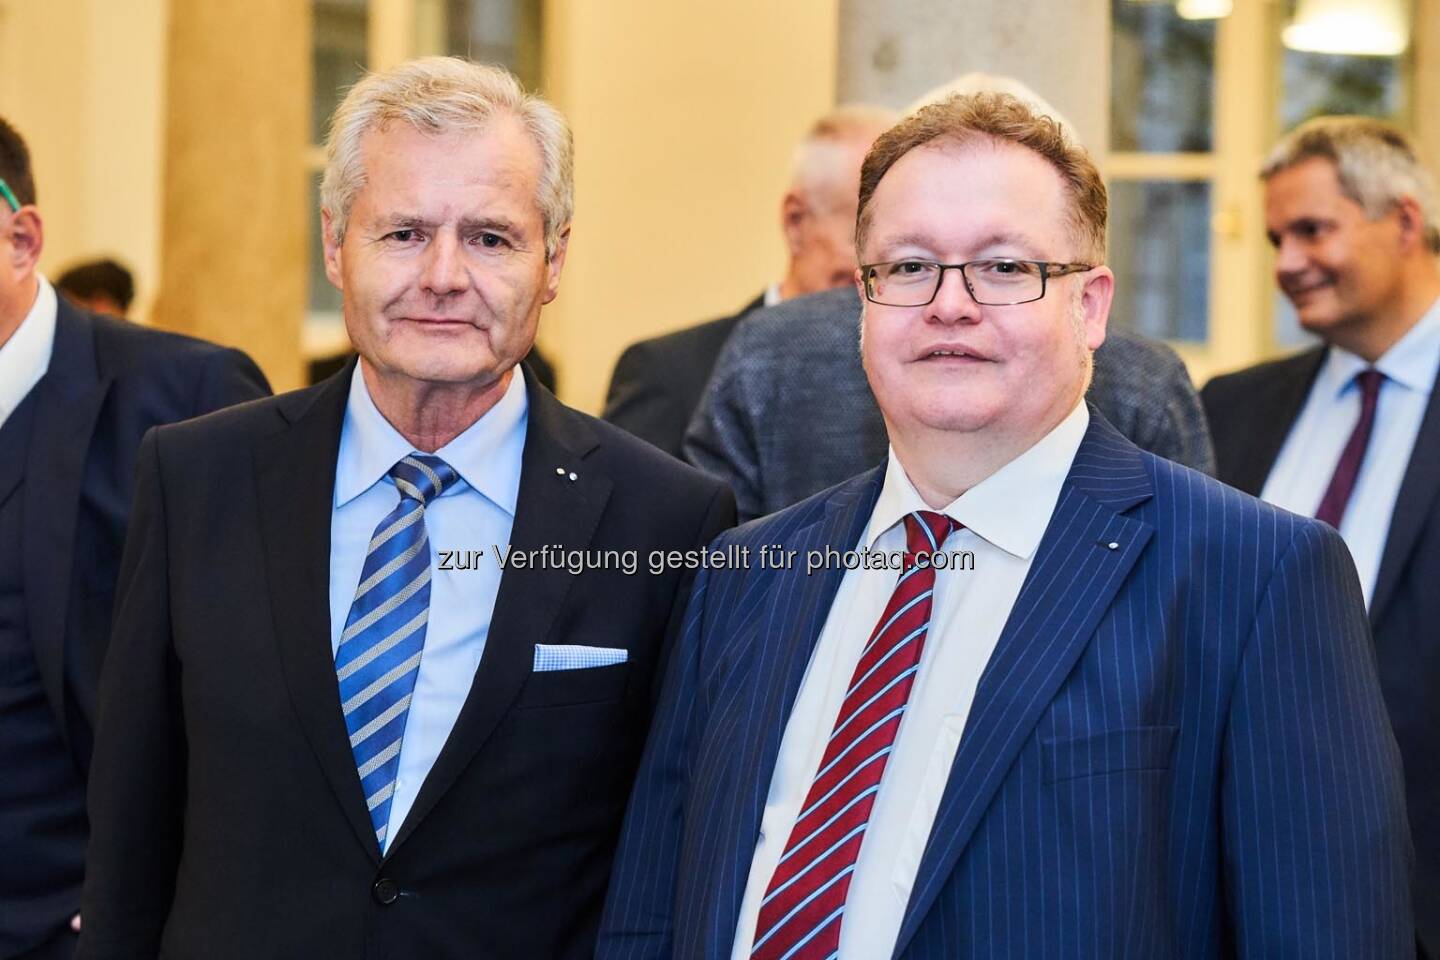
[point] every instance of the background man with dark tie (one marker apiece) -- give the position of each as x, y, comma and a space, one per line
77, 392
1143, 723
1349, 431
317, 740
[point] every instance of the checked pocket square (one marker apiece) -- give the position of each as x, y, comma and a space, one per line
569, 656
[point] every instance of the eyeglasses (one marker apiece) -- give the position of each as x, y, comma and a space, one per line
9, 196
992, 283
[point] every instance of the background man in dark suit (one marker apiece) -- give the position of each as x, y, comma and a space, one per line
77, 392
658, 382
1350, 431
1141, 721
332, 724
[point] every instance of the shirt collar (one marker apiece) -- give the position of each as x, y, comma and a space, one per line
1413, 361
25, 357
487, 455
772, 295
1010, 508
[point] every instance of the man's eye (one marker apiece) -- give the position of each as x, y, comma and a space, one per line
909, 268
492, 240
404, 236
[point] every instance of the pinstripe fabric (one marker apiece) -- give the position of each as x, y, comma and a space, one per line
1178, 748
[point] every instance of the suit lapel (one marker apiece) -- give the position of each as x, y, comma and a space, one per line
797, 617
69, 398
1071, 583
1412, 506
295, 479
1274, 415
551, 508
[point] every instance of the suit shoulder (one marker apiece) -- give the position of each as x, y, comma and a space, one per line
234, 425
1241, 385
126, 348
1214, 514
625, 455
1134, 351
782, 525
707, 336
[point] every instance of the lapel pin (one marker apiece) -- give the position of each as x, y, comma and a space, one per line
560, 471
1113, 545
573, 477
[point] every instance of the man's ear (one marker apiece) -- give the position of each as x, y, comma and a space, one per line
332, 251
27, 239
792, 219
1095, 299
555, 265
1411, 220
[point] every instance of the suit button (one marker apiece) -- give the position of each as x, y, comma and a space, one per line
385, 891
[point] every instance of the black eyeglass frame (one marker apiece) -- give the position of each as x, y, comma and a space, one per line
1048, 269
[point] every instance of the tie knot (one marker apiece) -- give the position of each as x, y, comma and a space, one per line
1369, 380
926, 530
422, 477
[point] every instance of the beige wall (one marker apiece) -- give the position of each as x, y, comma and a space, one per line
685, 115
82, 80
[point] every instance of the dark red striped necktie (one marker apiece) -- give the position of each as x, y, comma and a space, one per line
805, 901
1347, 471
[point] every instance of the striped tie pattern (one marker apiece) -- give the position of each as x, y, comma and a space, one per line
805, 901
379, 653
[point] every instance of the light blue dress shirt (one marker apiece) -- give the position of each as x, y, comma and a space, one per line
475, 514
1311, 452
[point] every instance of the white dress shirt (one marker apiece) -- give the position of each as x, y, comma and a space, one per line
476, 513
25, 357
1004, 518
1313, 448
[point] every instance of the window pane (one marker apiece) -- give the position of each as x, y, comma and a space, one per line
1330, 83
1162, 73
1160, 252
340, 42
505, 32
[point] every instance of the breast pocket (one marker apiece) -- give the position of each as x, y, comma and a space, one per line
567, 688
1113, 751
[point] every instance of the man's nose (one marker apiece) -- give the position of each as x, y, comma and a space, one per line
953, 302
445, 268
1291, 257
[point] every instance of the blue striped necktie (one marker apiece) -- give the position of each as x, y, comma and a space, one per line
379, 653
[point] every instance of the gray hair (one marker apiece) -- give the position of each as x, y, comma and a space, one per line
1375, 163
437, 95
977, 82
817, 155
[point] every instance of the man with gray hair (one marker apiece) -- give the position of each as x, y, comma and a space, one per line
381, 668
658, 382
1349, 431
787, 411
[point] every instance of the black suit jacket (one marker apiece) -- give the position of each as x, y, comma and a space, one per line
658, 383
108, 382
228, 815
1251, 413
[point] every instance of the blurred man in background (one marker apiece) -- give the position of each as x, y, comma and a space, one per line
658, 382
100, 286
1349, 431
788, 412
77, 392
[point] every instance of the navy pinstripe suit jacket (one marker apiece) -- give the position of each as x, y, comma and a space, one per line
1177, 749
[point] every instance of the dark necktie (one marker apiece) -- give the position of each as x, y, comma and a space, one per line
1342, 484
804, 902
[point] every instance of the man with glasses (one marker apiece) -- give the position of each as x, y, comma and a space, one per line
77, 392
1349, 431
1024, 690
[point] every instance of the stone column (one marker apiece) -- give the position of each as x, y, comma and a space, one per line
893, 51
234, 195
